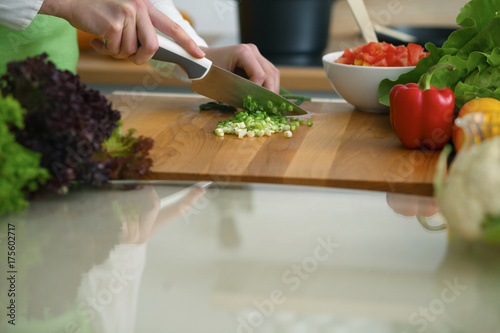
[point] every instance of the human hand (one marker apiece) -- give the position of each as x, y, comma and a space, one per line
137, 228
121, 24
246, 60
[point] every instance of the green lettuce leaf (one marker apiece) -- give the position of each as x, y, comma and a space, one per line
20, 171
474, 50
491, 229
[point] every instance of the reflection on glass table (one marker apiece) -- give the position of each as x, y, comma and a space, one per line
193, 257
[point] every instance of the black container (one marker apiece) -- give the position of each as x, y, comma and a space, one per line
287, 32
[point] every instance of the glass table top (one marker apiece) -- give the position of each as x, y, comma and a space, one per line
208, 257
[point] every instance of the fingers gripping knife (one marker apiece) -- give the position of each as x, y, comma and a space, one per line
217, 83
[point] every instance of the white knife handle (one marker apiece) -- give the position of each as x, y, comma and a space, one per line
170, 51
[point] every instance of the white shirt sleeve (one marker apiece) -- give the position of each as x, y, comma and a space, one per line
109, 292
168, 8
18, 14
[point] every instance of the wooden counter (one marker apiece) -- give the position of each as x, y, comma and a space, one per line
344, 148
97, 69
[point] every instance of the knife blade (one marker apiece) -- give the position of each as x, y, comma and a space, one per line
217, 83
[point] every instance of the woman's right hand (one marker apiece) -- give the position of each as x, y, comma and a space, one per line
121, 24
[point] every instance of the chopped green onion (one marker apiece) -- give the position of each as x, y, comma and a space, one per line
255, 120
309, 122
217, 106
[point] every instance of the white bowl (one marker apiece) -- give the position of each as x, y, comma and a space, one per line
358, 85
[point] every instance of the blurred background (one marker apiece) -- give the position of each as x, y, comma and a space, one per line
218, 21
215, 17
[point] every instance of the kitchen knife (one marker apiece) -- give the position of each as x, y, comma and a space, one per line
217, 83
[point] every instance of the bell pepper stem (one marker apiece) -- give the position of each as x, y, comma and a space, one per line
425, 80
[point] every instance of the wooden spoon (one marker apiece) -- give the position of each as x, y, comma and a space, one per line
368, 28
362, 18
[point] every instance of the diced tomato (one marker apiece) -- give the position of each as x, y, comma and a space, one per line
414, 53
393, 60
383, 55
392, 49
369, 58
348, 56
381, 63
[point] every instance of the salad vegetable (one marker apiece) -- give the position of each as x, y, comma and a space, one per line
470, 199
126, 156
256, 120
382, 54
485, 105
299, 99
422, 114
20, 170
474, 50
217, 106
55, 131
65, 122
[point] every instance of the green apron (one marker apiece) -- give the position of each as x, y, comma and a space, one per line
48, 34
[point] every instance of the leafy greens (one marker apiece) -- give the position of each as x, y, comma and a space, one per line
474, 50
65, 121
55, 132
20, 170
126, 156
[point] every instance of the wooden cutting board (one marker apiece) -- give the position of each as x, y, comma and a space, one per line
344, 148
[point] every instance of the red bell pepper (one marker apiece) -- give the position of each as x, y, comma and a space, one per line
421, 114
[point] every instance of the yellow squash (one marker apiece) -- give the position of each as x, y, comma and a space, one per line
485, 105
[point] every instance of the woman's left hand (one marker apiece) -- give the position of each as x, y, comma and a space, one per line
246, 60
